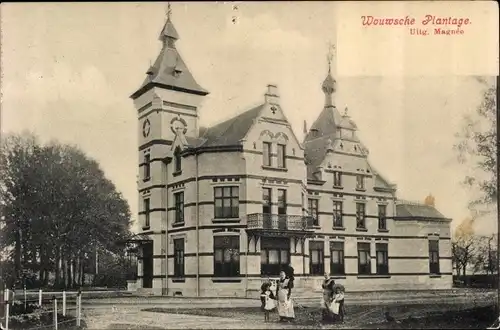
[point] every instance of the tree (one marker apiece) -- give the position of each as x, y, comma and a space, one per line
58, 209
464, 245
477, 147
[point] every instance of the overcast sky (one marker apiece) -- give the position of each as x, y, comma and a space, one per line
68, 71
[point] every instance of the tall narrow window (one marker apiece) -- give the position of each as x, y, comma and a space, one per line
338, 222
382, 258
313, 211
337, 258
281, 156
337, 179
434, 256
179, 257
179, 207
382, 214
177, 160
364, 265
266, 153
266, 200
360, 216
266, 208
281, 201
147, 167
282, 219
360, 182
316, 258
227, 202
146, 212
226, 256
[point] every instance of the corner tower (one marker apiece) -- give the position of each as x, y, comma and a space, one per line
167, 104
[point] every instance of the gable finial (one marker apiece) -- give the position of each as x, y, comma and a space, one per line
345, 111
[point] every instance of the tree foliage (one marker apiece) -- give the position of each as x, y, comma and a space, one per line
477, 147
471, 251
58, 209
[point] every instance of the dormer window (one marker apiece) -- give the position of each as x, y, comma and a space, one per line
177, 160
177, 72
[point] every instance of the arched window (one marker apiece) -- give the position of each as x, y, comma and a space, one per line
177, 159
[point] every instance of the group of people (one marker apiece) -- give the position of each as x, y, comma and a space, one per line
282, 300
333, 306
332, 302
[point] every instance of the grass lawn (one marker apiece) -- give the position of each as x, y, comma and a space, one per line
360, 317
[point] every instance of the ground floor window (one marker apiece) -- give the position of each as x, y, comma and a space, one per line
337, 258
316, 257
274, 255
226, 256
382, 258
364, 265
434, 256
179, 257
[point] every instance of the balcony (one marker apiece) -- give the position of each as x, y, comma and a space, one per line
279, 225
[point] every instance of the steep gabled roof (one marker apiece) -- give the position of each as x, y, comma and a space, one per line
231, 131
323, 125
315, 150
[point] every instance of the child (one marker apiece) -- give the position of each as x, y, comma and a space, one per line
337, 305
267, 297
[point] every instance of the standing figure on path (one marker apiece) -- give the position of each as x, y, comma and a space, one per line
268, 299
285, 303
327, 300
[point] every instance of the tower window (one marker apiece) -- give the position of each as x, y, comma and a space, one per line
146, 212
179, 207
147, 167
178, 160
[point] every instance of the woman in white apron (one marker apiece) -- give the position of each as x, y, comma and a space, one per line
285, 303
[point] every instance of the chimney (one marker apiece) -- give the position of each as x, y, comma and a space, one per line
272, 96
430, 201
305, 127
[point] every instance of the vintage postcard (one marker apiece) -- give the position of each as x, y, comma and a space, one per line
308, 164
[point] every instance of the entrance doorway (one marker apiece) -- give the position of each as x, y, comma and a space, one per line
147, 265
274, 255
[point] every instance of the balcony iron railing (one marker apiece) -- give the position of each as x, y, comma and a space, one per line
279, 222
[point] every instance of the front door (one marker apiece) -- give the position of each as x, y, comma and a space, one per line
274, 255
147, 265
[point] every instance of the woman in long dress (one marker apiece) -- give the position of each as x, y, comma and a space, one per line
327, 300
285, 303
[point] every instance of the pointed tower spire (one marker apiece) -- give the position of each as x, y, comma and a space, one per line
169, 34
329, 84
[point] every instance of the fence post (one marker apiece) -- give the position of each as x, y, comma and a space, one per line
55, 311
25, 298
7, 307
78, 308
64, 304
40, 297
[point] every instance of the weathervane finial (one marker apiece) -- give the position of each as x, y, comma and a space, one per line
331, 51
169, 10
